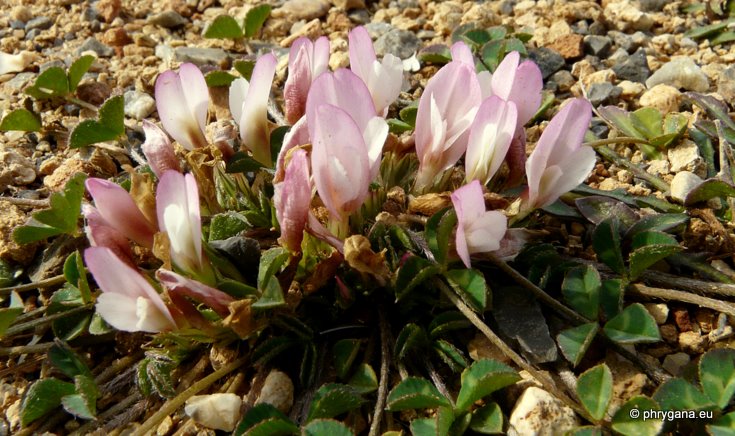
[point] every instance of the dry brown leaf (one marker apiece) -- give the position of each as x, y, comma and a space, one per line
324, 271
240, 319
143, 193
360, 256
429, 204
162, 249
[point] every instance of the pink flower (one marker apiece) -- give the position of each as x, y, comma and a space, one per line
462, 53
490, 137
520, 84
128, 302
182, 100
446, 110
383, 79
249, 107
292, 199
560, 162
182, 286
177, 208
306, 61
101, 234
118, 209
158, 150
478, 230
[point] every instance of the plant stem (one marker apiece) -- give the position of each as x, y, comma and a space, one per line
620, 140
117, 367
81, 103
51, 281
615, 158
384, 374
112, 411
274, 112
26, 349
546, 382
173, 404
684, 297
26, 202
45, 320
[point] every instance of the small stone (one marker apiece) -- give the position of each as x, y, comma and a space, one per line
706, 319
360, 16
568, 46
538, 412
165, 426
91, 44
400, 43
658, 167
603, 93
168, 19
11, 217
21, 13
378, 29
348, 5
692, 342
625, 17
563, 79
681, 319
630, 89
628, 380
40, 23
109, 9
201, 56
216, 411
296, 10
685, 156
15, 169
57, 180
597, 45
94, 92
116, 37
726, 83
480, 347
548, 61
138, 105
669, 333
682, 185
447, 16
665, 98
16, 63
622, 40
652, 5
277, 391
635, 68
680, 72
659, 312
674, 363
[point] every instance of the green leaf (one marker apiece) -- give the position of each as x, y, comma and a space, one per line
492, 53
255, 19
606, 242
109, 126
722, 38
471, 287
411, 337
597, 208
307, 369
581, 290
270, 348
710, 188
22, 120
225, 27
408, 114
9, 275
271, 296
77, 70
709, 30
644, 257
450, 355
397, 126
67, 361
648, 121
621, 120
83, 404
435, 54
488, 419
652, 237
326, 427
245, 68
679, 394
242, 162
715, 109
575, 341
633, 325
611, 297
446, 322
50, 83
586, 431
76, 275
477, 37
271, 262
7, 317
659, 222
345, 352
424, 427
60, 218
415, 393
216, 79
717, 375
364, 379
594, 389
628, 420
225, 225
414, 271
158, 376
265, 420
333, 399
438, 232
483, 378
42, 397
723, 426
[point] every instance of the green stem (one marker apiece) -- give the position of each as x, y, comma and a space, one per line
620, 161
45, 320
51, 281
173, 404
81, 103
620, 140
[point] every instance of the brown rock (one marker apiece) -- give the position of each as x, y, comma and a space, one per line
349, 4
116, 37
692, 342
57, 180
15, 169
94, 92
569, 46
10, 218
669, 333
109, 9
681, 318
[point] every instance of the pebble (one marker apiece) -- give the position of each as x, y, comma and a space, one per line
91, 44
630, 89
726, 84
347, 5
16, 63
40, 23
658, 167
601, 93
15, 169
18, 82
277, 391
138, 104
537, 412
665, 98
625, 17
659, 312
400, 43
680, 72
563, 79
217, 411
634, 68
692, 342
685, 157
21, 13
683, 183
597, 45
674, 363
109, 9
201, 56
296, 10
360, 16
568, 46
652, 5
94, 92
168, 19
377, 29
548, 61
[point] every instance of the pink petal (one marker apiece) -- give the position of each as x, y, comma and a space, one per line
101, 234
158, 150
211, 297
298, 83
292, 199
504, 76
317, 229
320, 57
362, 53
297, 135
462, 53
177, 208
118, 310
254, 131
120, 211
182, 100
490, 137
572, 171
485, 232
526, 90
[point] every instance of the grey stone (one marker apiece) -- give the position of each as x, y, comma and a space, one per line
682, 184
635, 68
55, 63
41, 23
640, 39
202, 56
618, 57
90, 14
597, 28
168, 19
17, 24
622, 40
599, 93
597, 45
563, 79
92, 44
378, 29
31, 35
682, 73
726, 85
519, 316
538, 413
359, 16
19, 81
138, 104
401, 43
652, 5
548, 61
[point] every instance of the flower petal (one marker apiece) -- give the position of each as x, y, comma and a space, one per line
490, 137
211, 297
118, 310
177, 208
299, 79
526, 89
485, 232
182, 100
254, 131
292, 199
101, 234
238, 91
462, 53
504, 76
297, 135
120, 211
158, 150
362, 53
